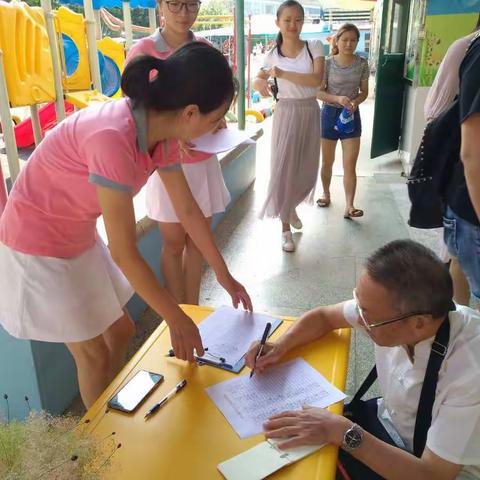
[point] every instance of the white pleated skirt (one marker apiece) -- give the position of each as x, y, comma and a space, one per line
206, 182
61, 300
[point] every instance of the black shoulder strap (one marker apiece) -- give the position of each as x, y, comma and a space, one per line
429, 387
308, 51
365, 386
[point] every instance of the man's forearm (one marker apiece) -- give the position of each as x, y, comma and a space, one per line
472, 176
309, 327
470, 154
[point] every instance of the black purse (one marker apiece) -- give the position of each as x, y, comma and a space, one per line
433, 169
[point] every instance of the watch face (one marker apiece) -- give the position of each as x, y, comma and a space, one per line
353, 437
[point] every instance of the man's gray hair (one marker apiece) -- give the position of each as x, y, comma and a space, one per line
415, 276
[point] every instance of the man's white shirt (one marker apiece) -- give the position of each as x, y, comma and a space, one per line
454, 434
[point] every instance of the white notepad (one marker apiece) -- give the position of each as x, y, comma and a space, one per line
262, 460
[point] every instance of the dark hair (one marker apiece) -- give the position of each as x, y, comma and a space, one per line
346, 27
195, 74
415, 276
281, 8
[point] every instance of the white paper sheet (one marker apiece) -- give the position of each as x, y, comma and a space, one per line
221, 141
229, 332
248, 402
262, 460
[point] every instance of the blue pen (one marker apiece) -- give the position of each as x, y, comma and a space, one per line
167, 397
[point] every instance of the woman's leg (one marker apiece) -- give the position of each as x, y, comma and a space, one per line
92, 358
117, 337
350, 150
171, 260
328, 157
192, 269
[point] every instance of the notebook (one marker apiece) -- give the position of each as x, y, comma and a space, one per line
262, 460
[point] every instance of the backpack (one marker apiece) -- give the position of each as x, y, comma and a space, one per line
435, 165
433, 169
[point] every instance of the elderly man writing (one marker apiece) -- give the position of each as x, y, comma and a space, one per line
426, 425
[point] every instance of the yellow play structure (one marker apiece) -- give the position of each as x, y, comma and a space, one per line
44, 58
26, 54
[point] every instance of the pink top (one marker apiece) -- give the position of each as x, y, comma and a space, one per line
156, 46
53, 207
447, 82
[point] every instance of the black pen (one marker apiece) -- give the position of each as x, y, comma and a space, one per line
260, 348
167, 397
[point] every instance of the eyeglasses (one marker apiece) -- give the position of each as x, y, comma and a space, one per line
190, 7
370, 326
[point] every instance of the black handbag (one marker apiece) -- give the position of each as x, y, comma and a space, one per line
433, 169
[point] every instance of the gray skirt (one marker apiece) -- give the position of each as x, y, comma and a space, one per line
295, 157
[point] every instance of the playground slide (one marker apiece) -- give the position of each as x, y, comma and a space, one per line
48, 119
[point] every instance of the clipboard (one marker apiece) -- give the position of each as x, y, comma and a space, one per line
236, 368
276, 322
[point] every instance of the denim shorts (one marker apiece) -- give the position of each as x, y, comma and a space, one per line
330, 115
463, 241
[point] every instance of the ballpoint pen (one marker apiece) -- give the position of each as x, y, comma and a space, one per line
260, 348
167, 397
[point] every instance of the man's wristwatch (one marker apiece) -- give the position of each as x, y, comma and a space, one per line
353, 438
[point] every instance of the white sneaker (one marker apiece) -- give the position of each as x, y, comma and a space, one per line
288, 245
295, 222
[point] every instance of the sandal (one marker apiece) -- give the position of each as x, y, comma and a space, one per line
324, 201
353, 213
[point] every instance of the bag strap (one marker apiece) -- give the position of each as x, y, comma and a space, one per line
365, 386
308, 51
429, 387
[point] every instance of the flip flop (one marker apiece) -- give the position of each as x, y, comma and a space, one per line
353, 213
323, 201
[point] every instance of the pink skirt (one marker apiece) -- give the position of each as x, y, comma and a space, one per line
295, 157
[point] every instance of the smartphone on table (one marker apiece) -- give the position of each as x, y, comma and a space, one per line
135, 391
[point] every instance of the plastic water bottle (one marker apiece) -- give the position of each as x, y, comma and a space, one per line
344, 123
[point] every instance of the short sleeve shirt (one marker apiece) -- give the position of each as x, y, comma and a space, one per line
454, 434
345, 81
53, 207
302, 63
469, 98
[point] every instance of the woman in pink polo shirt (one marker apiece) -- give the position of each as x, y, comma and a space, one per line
61, 283
181, 261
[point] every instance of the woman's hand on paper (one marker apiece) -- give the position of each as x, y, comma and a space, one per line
271, 354
185, 337
236, 290
309, 426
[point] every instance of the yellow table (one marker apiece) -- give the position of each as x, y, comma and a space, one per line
186, 439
